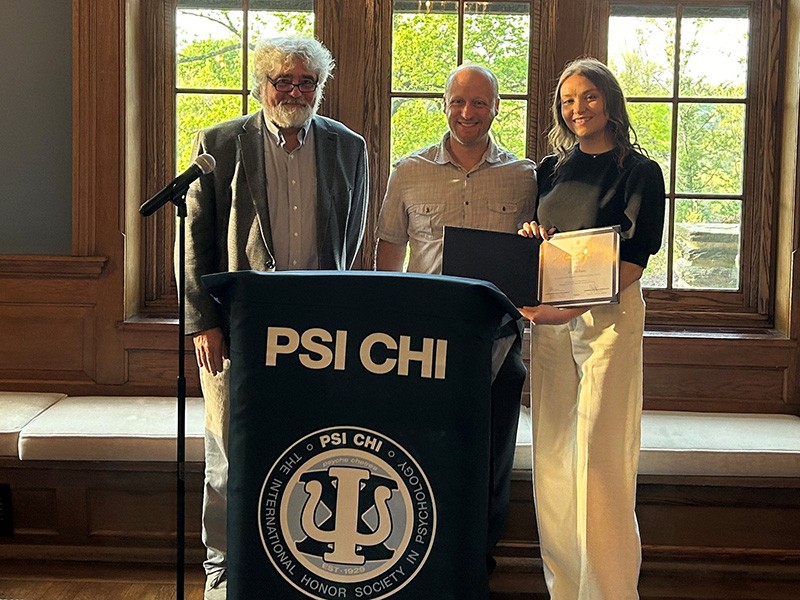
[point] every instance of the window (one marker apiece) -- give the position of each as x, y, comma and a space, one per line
684, 70
714, 131
214, 42
430, 39
209, 44
688, 72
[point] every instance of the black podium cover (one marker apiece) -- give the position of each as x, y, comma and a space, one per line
371, 437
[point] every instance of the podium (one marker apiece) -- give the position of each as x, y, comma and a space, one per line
373, 422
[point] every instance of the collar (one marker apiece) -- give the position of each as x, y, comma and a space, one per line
274, 133
491, 155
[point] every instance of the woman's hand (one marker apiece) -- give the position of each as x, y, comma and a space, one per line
533, 229
544, 314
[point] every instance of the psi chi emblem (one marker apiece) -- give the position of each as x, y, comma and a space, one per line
346, 512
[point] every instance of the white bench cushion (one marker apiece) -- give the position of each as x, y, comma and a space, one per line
684, 443
112, 428
17, 409
712, 444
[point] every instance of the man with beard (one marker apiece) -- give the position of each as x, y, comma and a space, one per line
289, 192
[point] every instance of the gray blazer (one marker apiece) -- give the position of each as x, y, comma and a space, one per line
227, 223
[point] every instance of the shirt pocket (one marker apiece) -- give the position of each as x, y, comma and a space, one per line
425, 221
504, 215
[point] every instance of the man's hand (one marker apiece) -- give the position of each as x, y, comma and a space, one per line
210, 349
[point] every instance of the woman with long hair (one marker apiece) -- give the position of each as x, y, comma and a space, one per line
586, 362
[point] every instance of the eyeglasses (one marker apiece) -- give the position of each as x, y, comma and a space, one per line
285, 86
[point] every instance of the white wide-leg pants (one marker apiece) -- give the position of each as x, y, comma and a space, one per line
586, 407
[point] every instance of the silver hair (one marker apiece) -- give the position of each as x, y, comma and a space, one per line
271, 55
474, 67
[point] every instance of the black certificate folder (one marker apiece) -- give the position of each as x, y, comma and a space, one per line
508, 260
574, 268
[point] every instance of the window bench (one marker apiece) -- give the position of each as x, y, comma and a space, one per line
705, 444
718, 504
94, 478
100, 428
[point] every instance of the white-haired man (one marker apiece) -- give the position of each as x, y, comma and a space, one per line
289, 191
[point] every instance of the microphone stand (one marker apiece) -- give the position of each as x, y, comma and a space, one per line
178, 198
180, 204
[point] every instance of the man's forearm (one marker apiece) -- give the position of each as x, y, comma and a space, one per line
389, 256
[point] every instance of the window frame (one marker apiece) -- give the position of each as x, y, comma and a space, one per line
159, 296
752, 306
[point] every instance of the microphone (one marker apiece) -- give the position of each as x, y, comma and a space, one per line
202, 165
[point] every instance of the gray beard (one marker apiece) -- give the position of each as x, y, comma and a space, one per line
289, 116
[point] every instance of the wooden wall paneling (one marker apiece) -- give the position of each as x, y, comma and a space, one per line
64, 312
71, 497
707, 515
547, 76
47, 342
83, 127
737, 374
126, 512
152, 359
99, 97
787, 309
35, 290
109, 511
149, 369
696, 531
35, 512
768, 94
732, 351
156, 65
356, 91
49, 319
692, 527
717, 389
520, 537
50, 267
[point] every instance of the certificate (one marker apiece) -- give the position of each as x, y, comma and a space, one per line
575, 268
580, 268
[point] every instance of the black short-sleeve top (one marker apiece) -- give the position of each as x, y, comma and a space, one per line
594, 191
